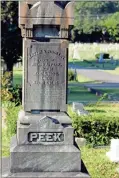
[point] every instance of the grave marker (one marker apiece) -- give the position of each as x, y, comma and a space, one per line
44, 145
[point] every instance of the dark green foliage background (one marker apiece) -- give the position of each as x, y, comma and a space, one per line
96, 130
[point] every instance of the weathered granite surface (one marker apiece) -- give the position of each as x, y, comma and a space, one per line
45, 66
45, 129
34, 13
44, 158
6, 174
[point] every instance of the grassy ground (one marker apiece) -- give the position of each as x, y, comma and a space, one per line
100, 109
17, 77
5, 143
113, 92
98, 164
79, 93
104, 109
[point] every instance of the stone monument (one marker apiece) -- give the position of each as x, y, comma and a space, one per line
44, 145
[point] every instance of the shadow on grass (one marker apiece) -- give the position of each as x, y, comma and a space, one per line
96, 110
94, 64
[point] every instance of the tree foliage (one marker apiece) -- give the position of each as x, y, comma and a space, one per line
91, 17
11, 46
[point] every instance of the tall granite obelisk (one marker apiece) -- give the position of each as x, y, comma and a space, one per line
44, 145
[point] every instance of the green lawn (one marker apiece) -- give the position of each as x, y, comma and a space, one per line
98, 164
113, 92
100, 109
104, 109
79, 93
17, 77
5, 143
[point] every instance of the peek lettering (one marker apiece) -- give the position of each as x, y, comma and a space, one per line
45, 137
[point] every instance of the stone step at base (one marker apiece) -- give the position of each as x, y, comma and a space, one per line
47, 175
42, 158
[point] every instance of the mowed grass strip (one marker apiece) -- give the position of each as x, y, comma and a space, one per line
113, 92
79, 93
17, 77
98, 164
102, 110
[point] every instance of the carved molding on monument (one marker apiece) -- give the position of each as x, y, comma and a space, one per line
28, 33
31, 13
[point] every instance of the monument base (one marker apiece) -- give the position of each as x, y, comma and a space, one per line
7, 174
44, 158
48, 174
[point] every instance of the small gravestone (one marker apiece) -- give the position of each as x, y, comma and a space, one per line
80, 141
76, 106
113, 154
79, 109
44, 145
82, 112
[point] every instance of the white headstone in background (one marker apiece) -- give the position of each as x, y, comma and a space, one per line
76, 51
76, 106
113, 154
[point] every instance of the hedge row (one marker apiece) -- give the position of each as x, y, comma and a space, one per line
96, 130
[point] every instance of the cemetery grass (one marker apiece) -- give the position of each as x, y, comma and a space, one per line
114, 92
98, 164
17, 77
79, 93
100, 110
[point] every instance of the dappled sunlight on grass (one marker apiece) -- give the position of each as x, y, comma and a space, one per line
98, 164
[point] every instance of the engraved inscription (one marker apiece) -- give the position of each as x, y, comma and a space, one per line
46, 77
38, 137
47, 66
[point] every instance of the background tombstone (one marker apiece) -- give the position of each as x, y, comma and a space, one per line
44, 145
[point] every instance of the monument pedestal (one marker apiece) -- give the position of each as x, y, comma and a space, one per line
48, 174
45, 148
44, 158
44, 145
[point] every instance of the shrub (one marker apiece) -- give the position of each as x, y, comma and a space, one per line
17, 95
11, 118
97, 129
6, 95
71, 75
9, 93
